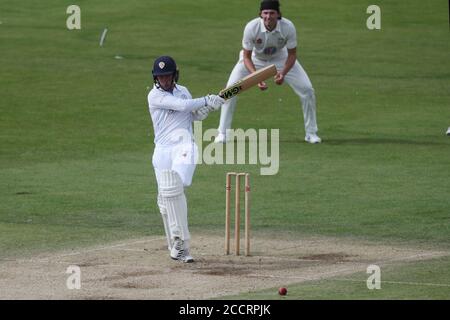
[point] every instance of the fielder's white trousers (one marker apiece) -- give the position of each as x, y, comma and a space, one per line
297, 79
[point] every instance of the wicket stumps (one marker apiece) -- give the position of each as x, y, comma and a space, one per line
237, 212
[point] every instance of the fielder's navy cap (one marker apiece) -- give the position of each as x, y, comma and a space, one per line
270, 5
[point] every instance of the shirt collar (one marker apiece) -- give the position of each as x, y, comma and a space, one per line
162, 90
263, 27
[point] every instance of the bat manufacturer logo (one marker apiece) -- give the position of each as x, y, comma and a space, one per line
232, 91
248, 81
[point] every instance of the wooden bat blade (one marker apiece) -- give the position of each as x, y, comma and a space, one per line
248, 81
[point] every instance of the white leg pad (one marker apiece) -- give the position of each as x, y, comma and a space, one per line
172, 194
165, 218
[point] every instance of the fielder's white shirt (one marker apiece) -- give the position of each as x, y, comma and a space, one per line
172, 115
266, 44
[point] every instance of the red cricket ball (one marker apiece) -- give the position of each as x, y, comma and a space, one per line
282, 291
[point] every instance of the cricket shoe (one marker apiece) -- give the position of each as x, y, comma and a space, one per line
312, 138
448, 131
180, 252
221, 138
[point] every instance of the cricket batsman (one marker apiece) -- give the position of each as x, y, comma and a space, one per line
172, 110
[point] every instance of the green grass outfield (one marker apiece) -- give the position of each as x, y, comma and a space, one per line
76, 137
425, 280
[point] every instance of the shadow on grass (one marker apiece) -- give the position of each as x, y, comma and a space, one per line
359, 141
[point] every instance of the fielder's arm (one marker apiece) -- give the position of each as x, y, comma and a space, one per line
290, 61
248, 81
251, 67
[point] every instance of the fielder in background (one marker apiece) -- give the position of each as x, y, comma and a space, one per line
173, 110
271, 39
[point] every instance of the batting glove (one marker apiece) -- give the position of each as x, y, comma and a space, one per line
214, 101
202, 112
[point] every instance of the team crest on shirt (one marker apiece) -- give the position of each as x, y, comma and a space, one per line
161, 65
270, 51
259, 41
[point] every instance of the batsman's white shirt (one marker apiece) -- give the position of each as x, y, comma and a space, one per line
171, 114
172, 119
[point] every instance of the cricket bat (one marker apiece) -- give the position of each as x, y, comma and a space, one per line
249, 81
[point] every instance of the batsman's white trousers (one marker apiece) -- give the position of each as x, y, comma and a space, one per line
181, 159
297, 79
